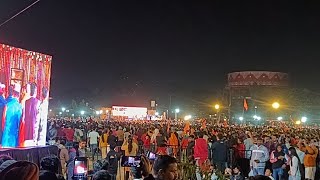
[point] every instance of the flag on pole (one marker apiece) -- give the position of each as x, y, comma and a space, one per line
245, 105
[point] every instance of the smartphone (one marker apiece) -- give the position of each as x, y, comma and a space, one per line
130, 161
151, 155
80, 171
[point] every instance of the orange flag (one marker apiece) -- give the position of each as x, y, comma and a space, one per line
245, 105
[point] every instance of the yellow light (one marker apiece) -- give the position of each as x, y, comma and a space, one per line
275, 105
217, 106
298, 122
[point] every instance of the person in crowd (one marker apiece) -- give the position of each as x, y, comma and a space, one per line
111, 138
277, 159
259, 157
50, 163
146, 143
190, 148
52, 133
69, 133
220, 153
4, 158
47, 175
103, 143
31, 117
201, 153
164, 168
64, 157
130, 148
43, 117
311, 154
112, 161
173, 143
295, 165
3, 103
120, 136
127, 133
236, 174
82, 148
6, 163
73, 153
20, 170
248, 142
101, 175
268, 173
12, 118
93, 141
78, 134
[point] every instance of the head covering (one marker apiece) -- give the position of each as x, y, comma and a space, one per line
20, 170
6, 164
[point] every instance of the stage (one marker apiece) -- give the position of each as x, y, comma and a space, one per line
32, 154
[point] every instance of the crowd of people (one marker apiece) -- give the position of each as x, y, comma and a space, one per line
212, 151
237, 151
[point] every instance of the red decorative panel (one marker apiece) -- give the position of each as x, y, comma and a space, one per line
35, 67
260, 78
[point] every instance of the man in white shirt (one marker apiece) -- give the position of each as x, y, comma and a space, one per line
93, 141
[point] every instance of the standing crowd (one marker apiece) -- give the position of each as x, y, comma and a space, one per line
236, 152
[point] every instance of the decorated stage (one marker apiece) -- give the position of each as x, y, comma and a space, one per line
32, 154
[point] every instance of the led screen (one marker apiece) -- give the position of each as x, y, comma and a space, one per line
24, 97
130, 112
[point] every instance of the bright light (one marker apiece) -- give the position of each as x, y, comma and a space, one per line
188, 117
60, 113
82, 112
255, 117
303, 119
298, 122
63, 109
217, 106
157, 114
97, 112
275, 105
67, 110
177, 110
279, 118
241, 118
130, 112
100, 111
50, 110
72, 115
258, 118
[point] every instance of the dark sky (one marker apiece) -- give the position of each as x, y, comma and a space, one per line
128, 52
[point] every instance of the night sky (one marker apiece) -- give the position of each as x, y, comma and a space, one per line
129, 52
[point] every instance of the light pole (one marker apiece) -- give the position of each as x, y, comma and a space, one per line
176, 114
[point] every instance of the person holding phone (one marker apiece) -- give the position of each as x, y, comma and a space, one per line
130, 148
259, 157
112, 162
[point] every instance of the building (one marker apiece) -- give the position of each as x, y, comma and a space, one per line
257, 88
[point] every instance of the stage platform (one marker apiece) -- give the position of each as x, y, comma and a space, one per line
32, 154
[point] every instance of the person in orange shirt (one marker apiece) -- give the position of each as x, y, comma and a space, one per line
311, 152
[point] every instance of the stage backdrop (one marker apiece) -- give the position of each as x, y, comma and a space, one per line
24, 96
